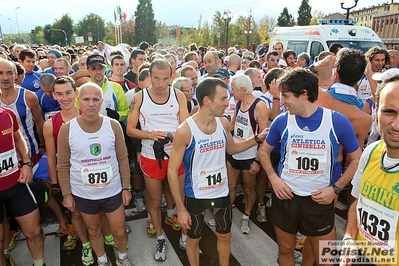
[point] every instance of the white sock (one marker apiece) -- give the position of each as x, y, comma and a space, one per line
122, 255
103, 258
149, 217
245, 217
161, 237
170, 212
183, 238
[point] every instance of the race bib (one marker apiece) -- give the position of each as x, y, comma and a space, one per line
242, 131
48, 115
8, 163
212, 178
229, 112
96, 176
307, 161
377, 223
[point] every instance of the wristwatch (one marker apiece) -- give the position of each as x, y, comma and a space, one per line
127, 189
256, 137
28, 163
337, 190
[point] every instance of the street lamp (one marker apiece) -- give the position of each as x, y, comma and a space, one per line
98, 32
248, 33
227, 18
342, 2
16, 17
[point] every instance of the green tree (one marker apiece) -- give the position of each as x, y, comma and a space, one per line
304, 13
163, 33
128, 30
110, 35
145, 23
91, 23
47, 33
37, 35
65, 23
317, 14
285, 18
266, 24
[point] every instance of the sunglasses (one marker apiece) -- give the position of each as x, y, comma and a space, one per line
42, 57
273, 59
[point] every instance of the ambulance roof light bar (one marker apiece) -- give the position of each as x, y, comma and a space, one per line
336, 21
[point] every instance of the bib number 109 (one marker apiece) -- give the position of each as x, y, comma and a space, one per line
304, 163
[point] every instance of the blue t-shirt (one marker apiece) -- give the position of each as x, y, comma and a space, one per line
32, 81
48, 106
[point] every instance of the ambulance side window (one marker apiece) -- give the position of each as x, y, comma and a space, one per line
315, 49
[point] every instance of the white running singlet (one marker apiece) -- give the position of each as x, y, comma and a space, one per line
94, 165
158, 117
205, 163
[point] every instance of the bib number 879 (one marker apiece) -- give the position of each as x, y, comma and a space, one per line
95, 178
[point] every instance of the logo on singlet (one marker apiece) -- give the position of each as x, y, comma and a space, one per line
95, 149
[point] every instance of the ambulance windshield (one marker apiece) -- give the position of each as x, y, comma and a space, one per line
363, 46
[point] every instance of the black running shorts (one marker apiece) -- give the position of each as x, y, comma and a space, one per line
220, 209
106, 205
302, 214
18, 200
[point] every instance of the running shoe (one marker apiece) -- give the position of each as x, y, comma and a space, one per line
87, 255
182, 245
70, 242
123, 262
163, 201
160, 250
108, 263
61, 233
245, 226
139, 203
150, 232
9, 260
110, 242
298, 257
172, 221
14, 237
240, 190
261, 217
300, 242
127, 228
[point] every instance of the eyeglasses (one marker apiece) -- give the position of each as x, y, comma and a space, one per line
189, 90
273, 59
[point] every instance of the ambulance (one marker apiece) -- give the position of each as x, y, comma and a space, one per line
317, 38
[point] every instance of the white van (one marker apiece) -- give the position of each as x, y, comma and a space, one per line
317, 38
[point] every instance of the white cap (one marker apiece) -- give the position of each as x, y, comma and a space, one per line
381, 76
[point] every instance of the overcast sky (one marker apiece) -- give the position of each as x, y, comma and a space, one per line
174, 12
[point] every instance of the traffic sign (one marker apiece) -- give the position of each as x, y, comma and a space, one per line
218, 33
89, 34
